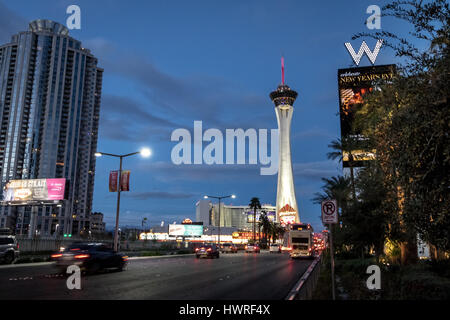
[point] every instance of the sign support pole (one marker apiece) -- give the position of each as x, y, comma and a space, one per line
332, 263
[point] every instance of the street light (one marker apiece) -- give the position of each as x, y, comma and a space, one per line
145, 152
220, 198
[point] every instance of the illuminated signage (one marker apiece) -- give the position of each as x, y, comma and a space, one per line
372, 55
287, 215
34, 190
270, 215
354, 84
186, 230
187, 221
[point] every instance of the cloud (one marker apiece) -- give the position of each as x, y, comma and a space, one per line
314, 132
158, 195
315, 170
169, 172
125, 119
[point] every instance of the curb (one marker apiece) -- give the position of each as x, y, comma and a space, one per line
298, 286
162, 256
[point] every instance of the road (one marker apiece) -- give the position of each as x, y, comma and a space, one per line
231, 277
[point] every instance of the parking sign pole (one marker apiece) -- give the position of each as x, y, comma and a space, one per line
332, 263
330, 217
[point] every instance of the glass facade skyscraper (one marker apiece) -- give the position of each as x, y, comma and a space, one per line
50, 91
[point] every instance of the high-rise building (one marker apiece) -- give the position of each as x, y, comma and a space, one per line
50, 90
287, 209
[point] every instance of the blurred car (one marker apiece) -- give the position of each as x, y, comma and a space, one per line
9, 248
208, 251
229, 247
90, 257
252, 248
275, 248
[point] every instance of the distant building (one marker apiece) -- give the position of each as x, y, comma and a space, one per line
96, 223
50, 91
239, 217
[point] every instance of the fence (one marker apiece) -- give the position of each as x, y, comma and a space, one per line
304, 288
27, 245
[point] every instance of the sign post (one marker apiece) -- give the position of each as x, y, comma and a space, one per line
330, 216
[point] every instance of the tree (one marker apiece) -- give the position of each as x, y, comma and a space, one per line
408, 123
266, 225
255, 205
341, 146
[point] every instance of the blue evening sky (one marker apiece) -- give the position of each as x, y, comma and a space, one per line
169, 63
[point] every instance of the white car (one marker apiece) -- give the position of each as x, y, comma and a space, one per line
275, 248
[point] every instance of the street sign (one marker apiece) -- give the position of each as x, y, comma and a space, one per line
329, 211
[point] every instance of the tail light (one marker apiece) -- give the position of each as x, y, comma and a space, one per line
209, 250
197, 249
81, 256
58, 255
246, 247
125, 258
17, 246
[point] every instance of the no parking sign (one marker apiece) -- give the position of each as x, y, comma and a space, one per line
329, 211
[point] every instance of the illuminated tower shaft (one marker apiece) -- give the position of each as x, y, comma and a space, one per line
287, 210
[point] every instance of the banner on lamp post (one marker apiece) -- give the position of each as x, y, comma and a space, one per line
125, 181
113, 175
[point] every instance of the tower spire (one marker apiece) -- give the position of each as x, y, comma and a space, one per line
282, 70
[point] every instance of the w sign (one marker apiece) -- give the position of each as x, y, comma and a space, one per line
372, 55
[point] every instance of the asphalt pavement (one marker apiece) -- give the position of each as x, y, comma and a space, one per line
248, 276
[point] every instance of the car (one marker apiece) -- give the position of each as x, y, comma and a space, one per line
207, 251
90, 257
274, 248
228, 247
9, 248
252, 248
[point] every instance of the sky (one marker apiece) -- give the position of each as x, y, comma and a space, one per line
170, 63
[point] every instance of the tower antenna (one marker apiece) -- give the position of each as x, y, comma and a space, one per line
282, 70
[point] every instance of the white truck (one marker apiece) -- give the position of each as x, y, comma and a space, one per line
299, 240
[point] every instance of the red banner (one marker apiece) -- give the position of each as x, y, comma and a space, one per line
125, 181
113, 175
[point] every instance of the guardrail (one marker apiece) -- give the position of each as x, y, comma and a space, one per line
304, 288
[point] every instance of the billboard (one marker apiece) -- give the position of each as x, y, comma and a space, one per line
186, 230
270, 214
34, 190
354, 84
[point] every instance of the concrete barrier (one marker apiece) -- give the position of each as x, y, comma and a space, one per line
27, 245
304, 288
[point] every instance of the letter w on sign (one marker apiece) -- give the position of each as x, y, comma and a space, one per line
364, 49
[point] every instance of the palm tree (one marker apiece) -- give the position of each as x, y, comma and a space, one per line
277, 231
334, 188
265, 224
255, 205
339, 147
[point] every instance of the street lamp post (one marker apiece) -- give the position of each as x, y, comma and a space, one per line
145, 153
220, 198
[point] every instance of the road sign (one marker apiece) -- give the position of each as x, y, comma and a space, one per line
329, 211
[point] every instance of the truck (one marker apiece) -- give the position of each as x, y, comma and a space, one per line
298, 240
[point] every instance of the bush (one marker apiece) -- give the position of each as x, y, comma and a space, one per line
424, 286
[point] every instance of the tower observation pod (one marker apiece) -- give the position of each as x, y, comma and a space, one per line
287, 210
